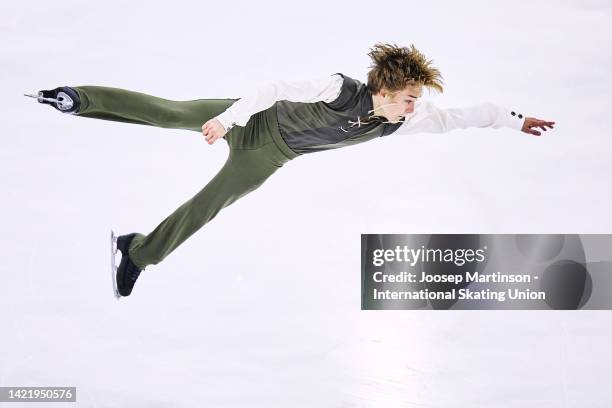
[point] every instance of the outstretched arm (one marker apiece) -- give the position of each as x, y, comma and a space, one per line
265, 95
428, 118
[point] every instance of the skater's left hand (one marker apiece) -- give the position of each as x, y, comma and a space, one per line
531, 124
213, 130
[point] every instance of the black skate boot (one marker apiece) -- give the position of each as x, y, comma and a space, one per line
64, 99
127, 272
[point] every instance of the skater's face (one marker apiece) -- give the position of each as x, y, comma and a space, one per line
396, 105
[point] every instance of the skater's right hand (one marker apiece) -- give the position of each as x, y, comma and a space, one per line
213, 130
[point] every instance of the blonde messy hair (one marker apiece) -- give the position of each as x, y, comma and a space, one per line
395, 67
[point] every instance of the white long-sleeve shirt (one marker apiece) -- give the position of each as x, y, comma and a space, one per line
263, 96
426, 117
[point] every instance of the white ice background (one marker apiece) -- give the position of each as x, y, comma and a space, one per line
261, 308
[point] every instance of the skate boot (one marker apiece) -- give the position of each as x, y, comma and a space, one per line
127, 273
64, 99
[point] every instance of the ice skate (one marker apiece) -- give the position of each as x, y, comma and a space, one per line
64, 99
125, 275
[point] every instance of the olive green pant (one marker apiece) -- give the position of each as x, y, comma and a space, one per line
256, 151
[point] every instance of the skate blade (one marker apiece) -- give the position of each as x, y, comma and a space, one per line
114, 265
40, 98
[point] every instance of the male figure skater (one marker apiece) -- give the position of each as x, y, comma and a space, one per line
275, 124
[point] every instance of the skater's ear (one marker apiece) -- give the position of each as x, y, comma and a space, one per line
383, 93
387, 94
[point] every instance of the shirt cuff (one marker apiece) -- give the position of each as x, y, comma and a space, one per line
510, 118
226, 120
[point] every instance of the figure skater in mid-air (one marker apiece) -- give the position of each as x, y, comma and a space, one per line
274, 124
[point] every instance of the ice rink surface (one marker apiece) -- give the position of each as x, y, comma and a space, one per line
261, 308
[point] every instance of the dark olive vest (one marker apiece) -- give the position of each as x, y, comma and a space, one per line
313, 127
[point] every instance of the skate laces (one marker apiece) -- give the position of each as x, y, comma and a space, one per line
134, 272
134, 275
